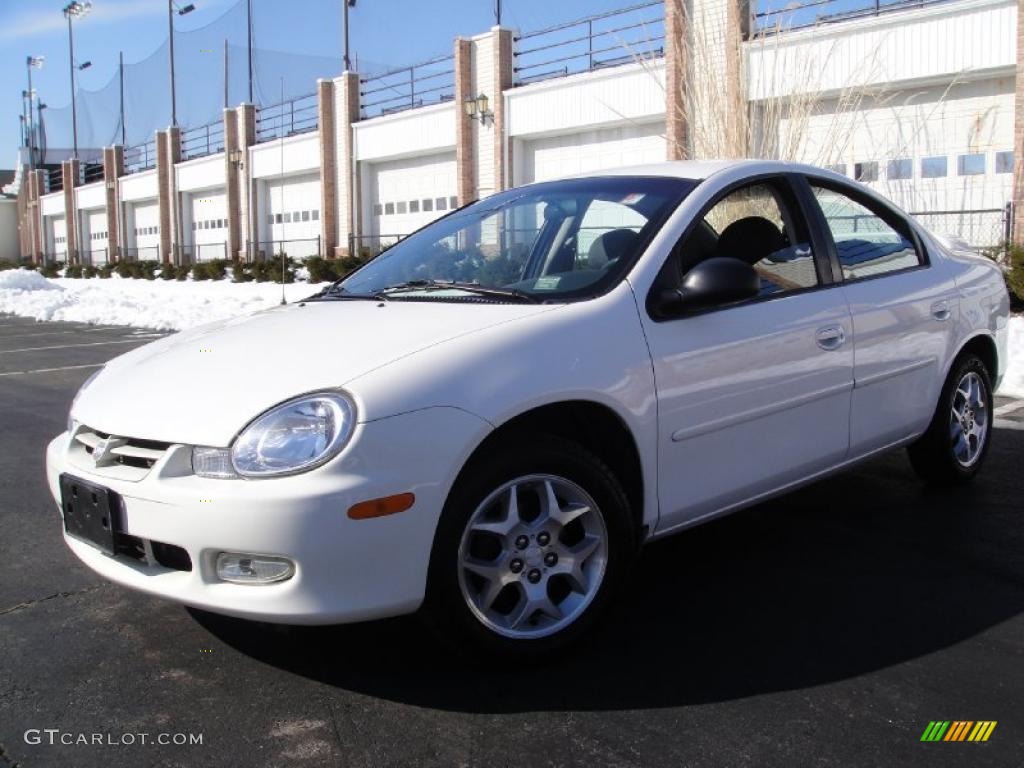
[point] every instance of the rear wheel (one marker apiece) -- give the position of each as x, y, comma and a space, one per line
531, 545
956, 443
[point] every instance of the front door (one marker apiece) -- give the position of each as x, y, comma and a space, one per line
755, 395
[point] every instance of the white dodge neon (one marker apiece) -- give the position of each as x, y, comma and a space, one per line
487, 421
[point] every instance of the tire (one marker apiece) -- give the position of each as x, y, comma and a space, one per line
486, 590
939, 456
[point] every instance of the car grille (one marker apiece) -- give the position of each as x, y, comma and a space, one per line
126, 458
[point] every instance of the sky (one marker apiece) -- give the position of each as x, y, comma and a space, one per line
383, 32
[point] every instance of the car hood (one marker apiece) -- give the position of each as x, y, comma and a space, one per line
203, 385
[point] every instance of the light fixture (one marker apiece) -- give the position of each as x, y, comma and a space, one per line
84, 65
36, 62
78, 10
476, 108
187, 9
235, 157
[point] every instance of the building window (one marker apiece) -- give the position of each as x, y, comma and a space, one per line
389, 209
867, 171
401, 206
287, 217
305, 215
933, 167
1004, 162
277, 218
428, 205
316, 214
453, 202
414, 206
900, 169
441, 204
378, 209
837, 167
970, 165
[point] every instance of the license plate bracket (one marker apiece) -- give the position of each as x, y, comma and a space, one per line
91, 512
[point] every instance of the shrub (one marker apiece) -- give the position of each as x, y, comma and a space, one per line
106, 271
4, 264
259, 271
199, 271
89, 271
181, 272
73, 270
321, 269
1015, 275
51, 270
274, 267
239, 273
167, 271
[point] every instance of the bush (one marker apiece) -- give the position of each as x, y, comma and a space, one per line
199, 272
181, 272
167, 271
106, 271
51, 270
274, 267
321, 269
259, 271
239, 274
4, 264
73, 270
1015, 275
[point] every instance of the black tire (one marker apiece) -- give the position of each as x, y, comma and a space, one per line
932, 456
445, 608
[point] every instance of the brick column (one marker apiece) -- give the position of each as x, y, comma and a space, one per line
676, 123
465, 149
38, 240
232, 191
69, 171
328, 167
164, 180
503, 78
245, 137
347, 200
113, 169
1018, 134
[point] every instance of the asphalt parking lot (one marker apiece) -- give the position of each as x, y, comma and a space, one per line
825, 628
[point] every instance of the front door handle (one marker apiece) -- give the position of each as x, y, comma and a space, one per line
830, 338
940, 310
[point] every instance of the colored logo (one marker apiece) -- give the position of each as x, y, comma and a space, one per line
958, 730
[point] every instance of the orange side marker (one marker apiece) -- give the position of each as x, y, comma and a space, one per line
389, 505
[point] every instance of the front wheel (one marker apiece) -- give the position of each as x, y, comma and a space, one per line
953, 449
530, 547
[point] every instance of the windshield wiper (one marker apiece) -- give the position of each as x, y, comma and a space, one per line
335, 291
479, 290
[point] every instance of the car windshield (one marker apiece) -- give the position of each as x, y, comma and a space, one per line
549, 241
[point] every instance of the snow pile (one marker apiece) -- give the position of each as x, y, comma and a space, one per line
1013, 382
159, 304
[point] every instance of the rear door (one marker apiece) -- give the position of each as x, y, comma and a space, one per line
904, 313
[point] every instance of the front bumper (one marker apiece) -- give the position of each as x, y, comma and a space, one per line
345, 570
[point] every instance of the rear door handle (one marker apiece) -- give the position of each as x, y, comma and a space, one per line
940, 310
831, 337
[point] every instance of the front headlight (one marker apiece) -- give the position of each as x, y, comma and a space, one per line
295, 436
72, 424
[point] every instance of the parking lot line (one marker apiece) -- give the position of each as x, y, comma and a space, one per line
51, 370
70, 346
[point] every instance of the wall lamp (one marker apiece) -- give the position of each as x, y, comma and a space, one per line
235, 157
476, 108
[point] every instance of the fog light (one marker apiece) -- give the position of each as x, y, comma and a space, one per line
212, 462
240, 568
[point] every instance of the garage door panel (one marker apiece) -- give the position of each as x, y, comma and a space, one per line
144, 231
555, 157
293, 215
408, 194
94, 235
209, 224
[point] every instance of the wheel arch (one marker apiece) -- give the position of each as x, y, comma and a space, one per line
595, 426
984, 346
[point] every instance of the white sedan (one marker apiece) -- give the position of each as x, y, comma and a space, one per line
488, 421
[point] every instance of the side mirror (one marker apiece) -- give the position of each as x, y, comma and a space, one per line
711, 283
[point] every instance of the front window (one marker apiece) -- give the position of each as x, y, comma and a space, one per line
556, 240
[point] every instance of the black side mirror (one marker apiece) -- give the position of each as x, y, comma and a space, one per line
711, 283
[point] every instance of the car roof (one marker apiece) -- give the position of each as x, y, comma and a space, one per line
698, 170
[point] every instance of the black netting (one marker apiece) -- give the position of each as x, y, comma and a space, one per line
199, 78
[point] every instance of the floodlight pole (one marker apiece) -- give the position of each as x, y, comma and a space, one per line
170, 32
347, 59
31, 130
120, 71
71, 68
248, 38
497, 12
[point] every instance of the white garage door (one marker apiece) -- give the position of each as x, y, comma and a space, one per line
145, 231
57, 234
293, 216
554, 157
94, 235
209, 212
407, 194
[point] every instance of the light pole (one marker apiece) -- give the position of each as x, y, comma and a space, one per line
346, 4
171, 7
32, 62
74, 10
